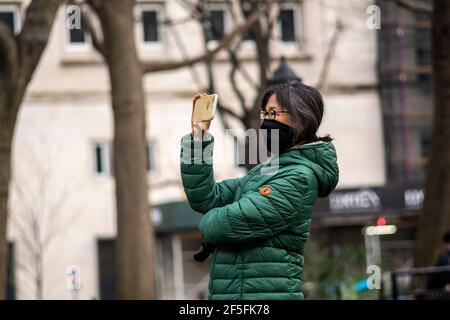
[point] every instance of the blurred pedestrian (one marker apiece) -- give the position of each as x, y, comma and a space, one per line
441, 280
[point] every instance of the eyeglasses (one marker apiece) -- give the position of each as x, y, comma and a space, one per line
271, 114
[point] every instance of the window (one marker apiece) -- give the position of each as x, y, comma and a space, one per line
150, 25
9, 15
151, 16
287, 22
218, 22
77, 36
102, 158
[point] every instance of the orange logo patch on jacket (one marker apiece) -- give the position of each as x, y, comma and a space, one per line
265, 191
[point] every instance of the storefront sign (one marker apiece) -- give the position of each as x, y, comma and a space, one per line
391, 197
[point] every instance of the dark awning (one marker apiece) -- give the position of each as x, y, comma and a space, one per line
174, 217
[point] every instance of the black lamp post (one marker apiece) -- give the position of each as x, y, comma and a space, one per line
283, 74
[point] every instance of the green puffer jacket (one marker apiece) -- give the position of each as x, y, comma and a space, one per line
260, 222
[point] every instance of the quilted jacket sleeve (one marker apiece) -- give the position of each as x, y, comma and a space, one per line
255, 216
197, 174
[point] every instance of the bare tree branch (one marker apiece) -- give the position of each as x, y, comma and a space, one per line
235, 66
87, 21
96, 35
271, 20
172, 22
329, 55
260, 33
209, 54
241, 68
24, 294
414, 5
166, 183
184, 53
230, 112
206, 29
192, 6
36, 218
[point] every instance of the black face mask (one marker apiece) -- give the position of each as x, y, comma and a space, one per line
285, 136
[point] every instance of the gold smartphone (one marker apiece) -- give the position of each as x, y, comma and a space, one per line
205, 108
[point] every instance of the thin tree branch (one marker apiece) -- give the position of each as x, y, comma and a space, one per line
415, 6
88, 25
241, 68
329, 55
172, 22
31, 272
188, 5
220, 106
24, 236
235, 66
247, 77
230, 112
259, 32
184, 53
96, 35
24, 294
209, 54
271, 21
165, 183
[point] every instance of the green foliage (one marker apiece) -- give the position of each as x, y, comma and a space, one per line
332, 273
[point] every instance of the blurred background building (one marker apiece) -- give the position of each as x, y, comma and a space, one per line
378, 109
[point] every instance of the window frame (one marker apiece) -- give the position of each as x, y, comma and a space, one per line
296, 7
160, 9
227, 27
15, 10
106, 161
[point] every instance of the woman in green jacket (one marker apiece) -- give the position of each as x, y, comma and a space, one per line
259, 223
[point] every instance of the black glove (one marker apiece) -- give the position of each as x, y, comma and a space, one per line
205, 250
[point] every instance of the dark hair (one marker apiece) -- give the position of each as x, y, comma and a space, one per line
446, 237
304, 104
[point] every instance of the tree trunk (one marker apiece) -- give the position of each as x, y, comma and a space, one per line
135, 256
435, 216
18, 59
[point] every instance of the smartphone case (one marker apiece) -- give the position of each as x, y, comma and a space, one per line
205, 108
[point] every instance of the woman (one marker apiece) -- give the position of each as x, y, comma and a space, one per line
259, 223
